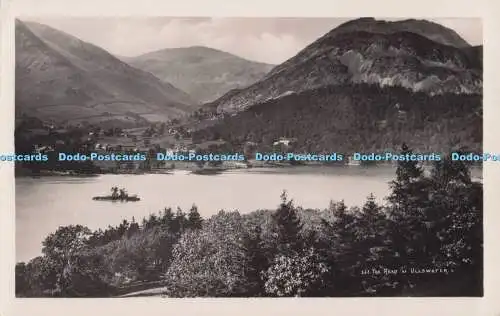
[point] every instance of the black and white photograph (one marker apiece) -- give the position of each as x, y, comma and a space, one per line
248, 157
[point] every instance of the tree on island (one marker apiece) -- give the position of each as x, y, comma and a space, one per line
123, 193
114, 192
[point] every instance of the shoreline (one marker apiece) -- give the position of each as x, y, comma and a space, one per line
192, 168
189, 166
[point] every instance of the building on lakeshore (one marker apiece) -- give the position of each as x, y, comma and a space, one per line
284, 144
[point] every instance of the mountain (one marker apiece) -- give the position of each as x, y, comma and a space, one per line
64, 79
204, 73
399, 58
363, 86
433, 31
355, 118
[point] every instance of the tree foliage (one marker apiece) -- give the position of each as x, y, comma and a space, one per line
295, 275
210, 262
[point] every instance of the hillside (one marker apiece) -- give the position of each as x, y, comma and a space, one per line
204, 73
475, 53
401, 58
61, 78
353, 118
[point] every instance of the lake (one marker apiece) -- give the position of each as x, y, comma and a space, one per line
44, 204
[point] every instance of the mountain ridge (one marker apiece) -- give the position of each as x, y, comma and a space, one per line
203, 72
62, 78
398, 58
432, 30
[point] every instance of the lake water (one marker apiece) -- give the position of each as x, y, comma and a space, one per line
44, 204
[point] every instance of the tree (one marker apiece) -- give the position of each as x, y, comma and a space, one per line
22, 280
123, 228
66, 251
42, 277
137, 255
373, 248
407, 187
167, 219
114, 192
338, 210
296, 275
338, 247
371, 221
409, 196
371, 209
437, 221
179, 223
152, 222
66, 242
447, 173
210, 261
288, 226
455, 223
257, 260
123, 194
86, 276
134, 227
194, 218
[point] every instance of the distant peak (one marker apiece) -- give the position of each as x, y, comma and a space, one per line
193, 48
195, 51
357, 21
429, 29
374, 21
201, 49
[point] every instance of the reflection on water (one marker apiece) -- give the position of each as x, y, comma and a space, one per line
44, 204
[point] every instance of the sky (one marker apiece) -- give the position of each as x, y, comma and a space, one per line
269, 40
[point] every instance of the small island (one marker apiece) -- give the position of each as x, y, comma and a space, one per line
208, 171
117, 195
